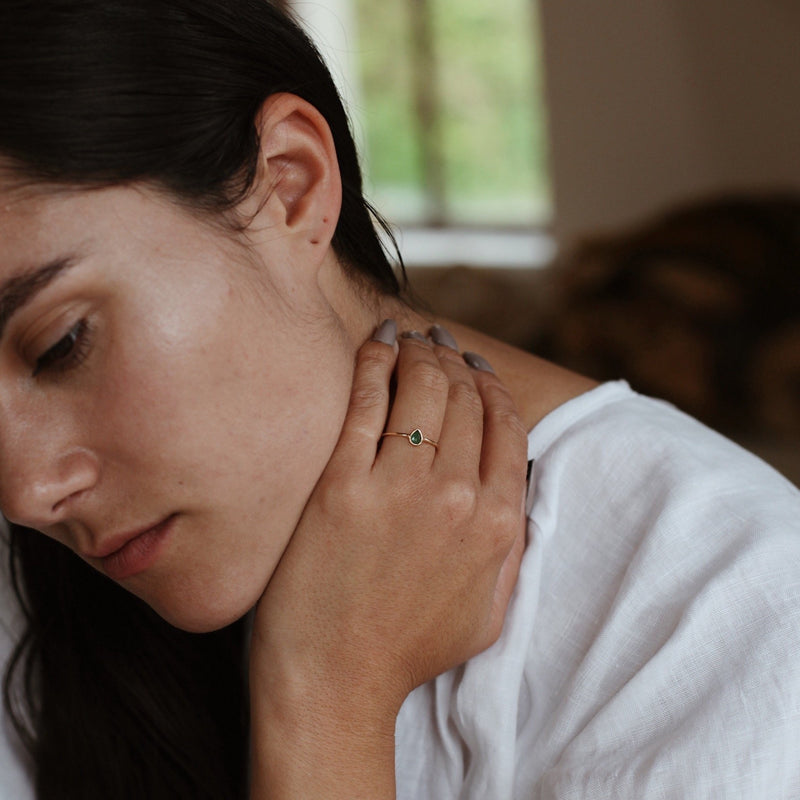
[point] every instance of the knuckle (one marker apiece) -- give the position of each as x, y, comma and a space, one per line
506, 523
498, 399
458, 497
494, 389
449, 355
510, 419
411, 340
375, 354
368, 395
429, 377
340, 496
463, 394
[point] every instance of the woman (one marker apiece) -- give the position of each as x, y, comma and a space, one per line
204, 398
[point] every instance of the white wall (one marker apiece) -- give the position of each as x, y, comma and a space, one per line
333, 27
654, 101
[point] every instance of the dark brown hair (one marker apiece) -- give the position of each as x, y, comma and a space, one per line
110, 700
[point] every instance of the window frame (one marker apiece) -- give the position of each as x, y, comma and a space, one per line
427, 243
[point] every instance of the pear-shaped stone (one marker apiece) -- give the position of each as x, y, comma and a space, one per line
415, 437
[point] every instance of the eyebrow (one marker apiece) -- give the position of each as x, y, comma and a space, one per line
21, 289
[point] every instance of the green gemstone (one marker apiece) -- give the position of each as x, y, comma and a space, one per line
415, 437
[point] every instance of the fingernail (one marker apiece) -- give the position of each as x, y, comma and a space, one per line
477, 362
443, 336
386, 333
413, 335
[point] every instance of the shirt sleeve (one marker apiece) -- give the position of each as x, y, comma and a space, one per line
691, 685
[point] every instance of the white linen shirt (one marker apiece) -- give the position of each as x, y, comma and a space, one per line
652, 647
15, 782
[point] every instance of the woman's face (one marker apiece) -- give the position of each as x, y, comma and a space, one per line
156, 376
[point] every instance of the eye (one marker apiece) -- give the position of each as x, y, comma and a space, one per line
68, 352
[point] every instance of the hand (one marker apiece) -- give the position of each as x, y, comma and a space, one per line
403, 562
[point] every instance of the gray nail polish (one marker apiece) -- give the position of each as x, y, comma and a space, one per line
413, 335
443, 336
386, 333
477, 362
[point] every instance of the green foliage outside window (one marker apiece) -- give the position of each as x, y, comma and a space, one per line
490, 131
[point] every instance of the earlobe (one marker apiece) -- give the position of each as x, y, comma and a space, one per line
298, 185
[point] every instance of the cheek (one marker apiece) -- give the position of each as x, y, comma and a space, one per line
238, 447
230, 406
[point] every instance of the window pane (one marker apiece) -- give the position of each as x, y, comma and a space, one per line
392, 156
489, 131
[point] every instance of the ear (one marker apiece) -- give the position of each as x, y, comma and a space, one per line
298, 188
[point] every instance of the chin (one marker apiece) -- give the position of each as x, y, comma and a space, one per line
202, 623
204, 614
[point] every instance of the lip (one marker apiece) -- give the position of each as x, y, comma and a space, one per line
130, 553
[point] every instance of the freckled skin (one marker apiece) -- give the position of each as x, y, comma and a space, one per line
216, 378
202, 394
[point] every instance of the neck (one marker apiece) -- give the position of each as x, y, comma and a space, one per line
536, 385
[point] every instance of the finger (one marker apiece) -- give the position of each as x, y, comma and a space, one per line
419, 403
504, 454
462, 428
369, 401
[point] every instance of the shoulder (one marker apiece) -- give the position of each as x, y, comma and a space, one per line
659, 520
614, 449
652, 647
670, 614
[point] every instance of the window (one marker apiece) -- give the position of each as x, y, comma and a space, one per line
446, 101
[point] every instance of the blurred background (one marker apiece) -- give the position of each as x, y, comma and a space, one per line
613, 186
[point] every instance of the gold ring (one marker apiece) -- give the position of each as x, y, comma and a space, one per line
415, 438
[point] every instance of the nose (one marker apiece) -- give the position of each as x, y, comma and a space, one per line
40, 489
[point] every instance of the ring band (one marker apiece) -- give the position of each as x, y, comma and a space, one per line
415, 438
